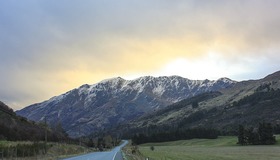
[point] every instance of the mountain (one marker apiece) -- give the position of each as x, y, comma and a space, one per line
17, 128
247, 103
92, 108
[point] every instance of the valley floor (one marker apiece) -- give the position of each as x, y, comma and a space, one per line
223, 148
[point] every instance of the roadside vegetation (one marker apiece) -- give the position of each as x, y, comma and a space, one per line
39, 150
54, 150
131, 152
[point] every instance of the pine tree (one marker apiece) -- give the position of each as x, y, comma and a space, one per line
241, 135
266, 133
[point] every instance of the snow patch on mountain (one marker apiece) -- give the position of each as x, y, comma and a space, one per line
159, 90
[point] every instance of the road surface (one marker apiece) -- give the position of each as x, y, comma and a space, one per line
114, 154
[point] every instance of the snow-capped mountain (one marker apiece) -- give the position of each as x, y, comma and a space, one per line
108, 103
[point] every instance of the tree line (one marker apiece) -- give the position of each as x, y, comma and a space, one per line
262, 93
102, 143
177, 135
263, 135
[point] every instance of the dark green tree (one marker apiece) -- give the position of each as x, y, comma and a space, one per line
90, 143
252, 136
266, 133
194, 104
241, 135
101, 144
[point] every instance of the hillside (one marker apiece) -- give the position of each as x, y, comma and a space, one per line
92, 108
16, 128
247, 103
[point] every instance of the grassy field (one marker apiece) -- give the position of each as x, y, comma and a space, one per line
223, 148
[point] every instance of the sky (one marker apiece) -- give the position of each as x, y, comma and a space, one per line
48, 47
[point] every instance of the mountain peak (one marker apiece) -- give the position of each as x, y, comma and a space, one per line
225, 79
115, 79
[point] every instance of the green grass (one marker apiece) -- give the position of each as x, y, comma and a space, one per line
223, 148
221, 141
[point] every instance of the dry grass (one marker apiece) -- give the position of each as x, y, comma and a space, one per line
56, 150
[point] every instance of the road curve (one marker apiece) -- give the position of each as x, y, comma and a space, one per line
114, 154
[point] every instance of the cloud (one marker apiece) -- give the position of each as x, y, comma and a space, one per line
50, 47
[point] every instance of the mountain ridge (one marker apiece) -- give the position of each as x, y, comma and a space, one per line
116, 100
247, 103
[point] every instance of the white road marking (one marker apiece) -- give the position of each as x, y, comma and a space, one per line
114, 156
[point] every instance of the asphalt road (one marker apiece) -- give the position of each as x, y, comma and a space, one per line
114, 154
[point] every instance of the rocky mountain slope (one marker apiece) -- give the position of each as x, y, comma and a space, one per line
246, 103
91, 108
